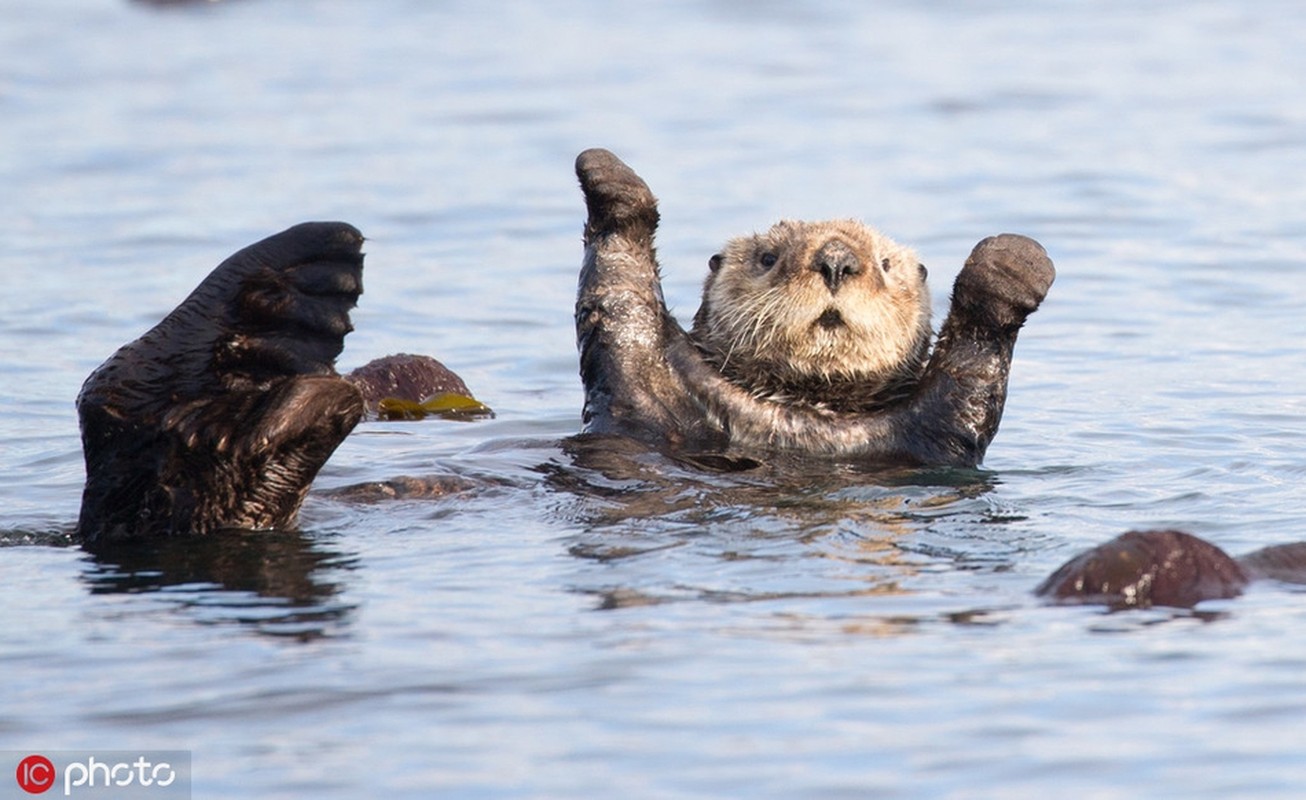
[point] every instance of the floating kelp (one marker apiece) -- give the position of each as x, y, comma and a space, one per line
447, 405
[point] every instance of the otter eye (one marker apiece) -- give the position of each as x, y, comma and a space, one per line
714, 263
884, 264
767, 260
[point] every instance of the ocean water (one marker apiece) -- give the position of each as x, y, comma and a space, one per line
564, 630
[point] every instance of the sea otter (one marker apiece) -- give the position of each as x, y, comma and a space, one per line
222, 414
811, 340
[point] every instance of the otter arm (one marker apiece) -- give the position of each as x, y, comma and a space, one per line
955, 411
622, 325
223, 413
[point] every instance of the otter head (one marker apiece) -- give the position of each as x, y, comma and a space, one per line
833, 314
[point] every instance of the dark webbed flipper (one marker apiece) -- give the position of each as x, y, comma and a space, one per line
223, 413
644, 377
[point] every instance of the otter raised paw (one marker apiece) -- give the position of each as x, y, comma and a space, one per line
812, 338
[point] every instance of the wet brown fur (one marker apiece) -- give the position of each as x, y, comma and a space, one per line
829, 314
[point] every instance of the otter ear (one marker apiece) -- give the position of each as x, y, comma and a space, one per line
714, 263
925, 273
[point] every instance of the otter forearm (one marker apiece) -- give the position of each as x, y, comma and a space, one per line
955, 412
622, 325
623, 330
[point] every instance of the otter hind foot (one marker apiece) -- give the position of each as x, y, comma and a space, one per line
223, 413
282, 305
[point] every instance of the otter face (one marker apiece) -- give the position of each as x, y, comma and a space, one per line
809, 310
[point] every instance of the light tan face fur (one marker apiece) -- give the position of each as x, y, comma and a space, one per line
823, 301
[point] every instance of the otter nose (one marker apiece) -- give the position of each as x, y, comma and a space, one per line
836, 261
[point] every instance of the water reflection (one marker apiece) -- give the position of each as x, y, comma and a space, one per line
628, 479
279, 583
750, 532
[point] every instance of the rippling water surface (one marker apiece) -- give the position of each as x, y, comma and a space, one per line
567, 629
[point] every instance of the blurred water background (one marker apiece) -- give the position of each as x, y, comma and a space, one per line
563, 632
